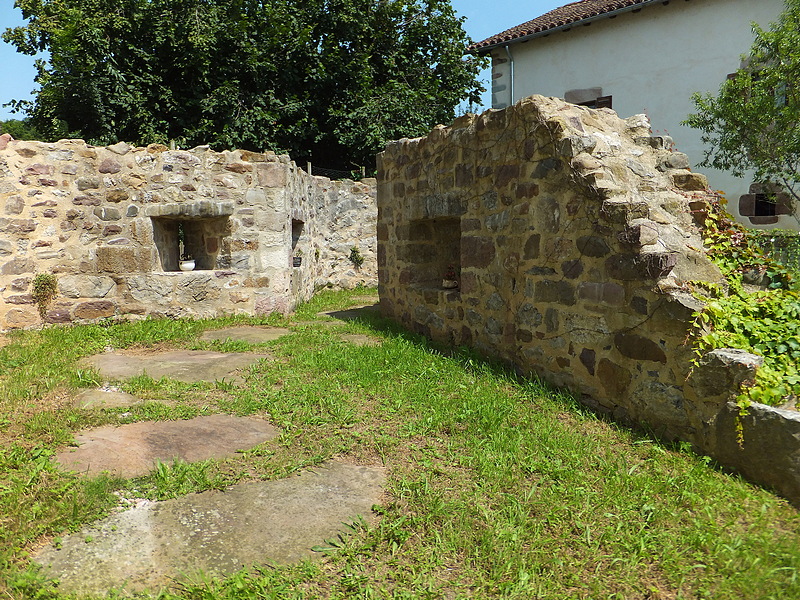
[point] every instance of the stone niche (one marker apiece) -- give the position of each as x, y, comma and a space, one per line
300, 239
434, 248
202, 240
572, 235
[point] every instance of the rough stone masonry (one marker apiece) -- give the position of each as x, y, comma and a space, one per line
573, 236
108, 222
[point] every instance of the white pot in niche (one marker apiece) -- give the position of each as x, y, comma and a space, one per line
186, 265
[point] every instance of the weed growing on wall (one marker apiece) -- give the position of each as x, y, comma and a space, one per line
736, 251
764, 320
766, 323
45, 289
356, 257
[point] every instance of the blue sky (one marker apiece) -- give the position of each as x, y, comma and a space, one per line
483, 20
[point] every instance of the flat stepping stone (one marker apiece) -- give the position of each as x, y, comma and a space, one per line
325, 323
245, 333
133, 450
105, 397
156, 544
188, 366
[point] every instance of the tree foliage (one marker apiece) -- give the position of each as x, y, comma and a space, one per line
19, 129
327, 80
753, 123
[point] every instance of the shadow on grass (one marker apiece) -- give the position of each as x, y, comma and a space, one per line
531, 384
366, 314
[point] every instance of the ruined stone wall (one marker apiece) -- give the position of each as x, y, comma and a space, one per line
105, 220
572, 235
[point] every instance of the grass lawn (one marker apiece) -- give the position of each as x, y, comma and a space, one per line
498, 487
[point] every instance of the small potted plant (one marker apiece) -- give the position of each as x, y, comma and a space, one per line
186, 263
450, 282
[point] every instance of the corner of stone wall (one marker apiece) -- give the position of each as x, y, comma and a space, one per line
105, 221
575, 238
769, 448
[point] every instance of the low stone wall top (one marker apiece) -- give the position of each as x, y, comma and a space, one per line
107, 221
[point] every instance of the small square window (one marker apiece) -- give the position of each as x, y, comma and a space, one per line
764, 206
199, 239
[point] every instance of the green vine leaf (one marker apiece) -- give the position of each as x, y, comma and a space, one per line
762, 320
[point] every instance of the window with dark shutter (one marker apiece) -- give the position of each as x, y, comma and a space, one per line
603, 102
764, 206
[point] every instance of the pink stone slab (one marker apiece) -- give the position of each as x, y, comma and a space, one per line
183, 365
133, 450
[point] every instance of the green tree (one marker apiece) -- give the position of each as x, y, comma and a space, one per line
753, 123
19, 129
326, 80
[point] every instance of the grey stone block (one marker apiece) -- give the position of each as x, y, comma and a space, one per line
770, 453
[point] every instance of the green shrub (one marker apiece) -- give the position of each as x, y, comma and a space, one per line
356, 257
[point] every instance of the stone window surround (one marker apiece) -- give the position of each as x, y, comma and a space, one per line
205, 223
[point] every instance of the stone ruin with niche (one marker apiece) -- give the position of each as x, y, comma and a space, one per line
574, 236
107, 221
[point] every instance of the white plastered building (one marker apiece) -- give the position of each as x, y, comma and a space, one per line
640, 56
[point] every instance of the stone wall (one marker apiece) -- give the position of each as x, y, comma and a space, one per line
105, 220
573, 237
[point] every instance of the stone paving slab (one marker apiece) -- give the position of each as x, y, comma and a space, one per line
105, 397
246, 333
150, 546
188, 366
133, 450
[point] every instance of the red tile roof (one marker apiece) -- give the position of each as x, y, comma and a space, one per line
574, 12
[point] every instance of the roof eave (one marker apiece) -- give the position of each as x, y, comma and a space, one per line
566, 26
